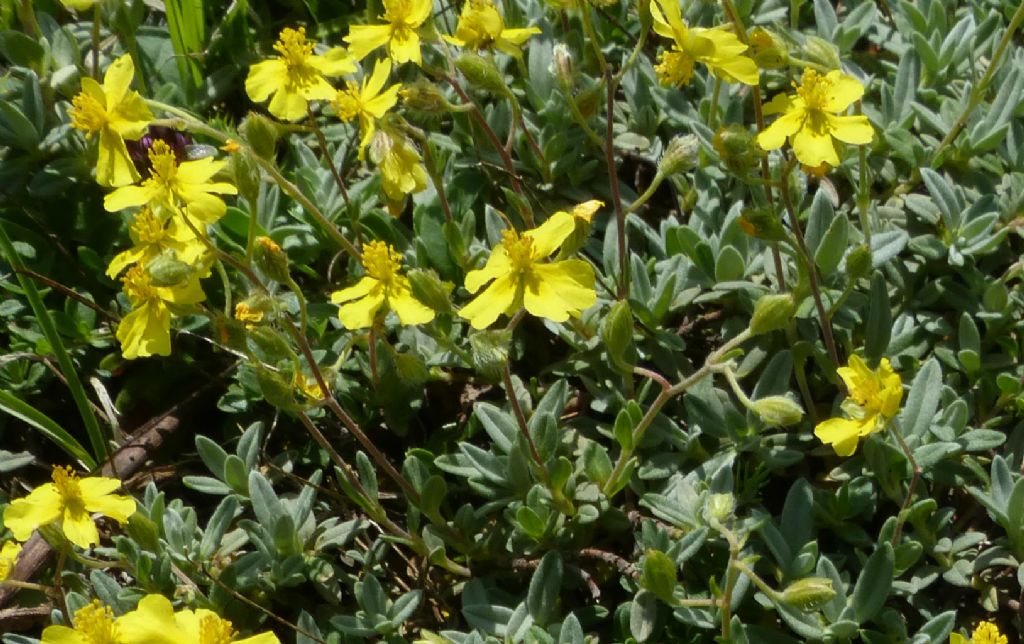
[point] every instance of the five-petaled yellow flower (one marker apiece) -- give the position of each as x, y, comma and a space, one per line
155, 622
985, 633
873, 400
812, 118
368, 102
152, 237
69, 501
296, 76
522, 277
718, 48
403, 18
482, 27
146, 331
171, 185
116, 113
401, 170
8, 557
383, 286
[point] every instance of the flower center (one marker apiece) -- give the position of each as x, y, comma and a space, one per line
163, 162
814, 89
87, 113
66, 481
346, 102
481, 25
381, 261
987, 633
95, 623
138, 287
293, 47
675, 68
519, 250
215, 630
246, 314
397, 13
147, 229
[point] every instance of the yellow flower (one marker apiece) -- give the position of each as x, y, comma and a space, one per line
152, 237
296, 76
481, 27
307, 386
69, 501
367, 103
155, 622
115, 113
94, 623
8, 557
552, 290
811, 118
171, 184
146, 331
403, 18
585, 211
986, 633
718, 48
873, 400
401, 170
247, 314
383, 286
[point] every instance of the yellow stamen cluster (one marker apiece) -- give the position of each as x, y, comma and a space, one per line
164, 163
519, 250
147, 228
65, 480
674, 68
814, 89
215, 630
87, 114
294, 47
346, 102
138, 286
381, 261
246, 314
95, 623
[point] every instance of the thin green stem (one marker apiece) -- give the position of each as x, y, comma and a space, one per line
588, 29
524, 429
227, 287
863, 188
713, 107
645, 197
902, 517
336, 173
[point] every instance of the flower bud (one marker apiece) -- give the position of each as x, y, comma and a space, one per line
767, 49
720, 507
490, 352
168, 270
481, 73
276, 390
809, 593
271, 260
738, 148
777, 411
431, 290
763, 224
271, 347
617, 335
858, 262
821, 51
680, 154
425, 97
561, 64
261, 134
773, 311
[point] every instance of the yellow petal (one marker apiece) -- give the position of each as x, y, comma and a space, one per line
146, 331
495, 300
774, 136
127, 197
403, 50
188, 292
560, 289
739, 68
362, 39
288, 105
852, 129
41, 507
420, 12
360, 289
79, 528
841, 433
200, 171
204, 207
114, 167
549, 236
117, 80
57, 634
518, 36
379, 105
265, 78
496, 266
814, 147
334, 62
131, 117
124, 259
408, 309
844, 90
780, 104
373, 84
151, 623
96, 493
359, 314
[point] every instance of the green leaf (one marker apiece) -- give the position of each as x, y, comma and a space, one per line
833, 245
659, 574
186, 24
218, 525
873, 584
643, 615
623, 430
212, 455
923, 399
20, 49
938, 628
46, 426
571, 631
878, 328
951, 206
545, 588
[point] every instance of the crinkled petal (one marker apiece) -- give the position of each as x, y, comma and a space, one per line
380, 104
114, 167
288, 105
152, 622
146, 331
739, 68
483, 310
774, 136
360, 313
79, 528
199, 171
96, 493
813, 146
843, 92
375, 83
333, 62
420, 11
204, 207
131, 118
266, 78
318, 90
667, 17
549, 236
560, 289
41, 507
852, 129
496, 266
360, 289
126, 197
188, 292
840, 433
57, 634
518, 36
117, 80
362, 39
124, 259
405, 49
408, 309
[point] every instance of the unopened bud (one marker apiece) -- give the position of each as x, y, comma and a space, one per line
680, 154
777, 411
490, 352
275, 389
617, 335
254, 308
481, 73
271, 259
858, 262
767, 49
561, 64
720, 507
738, 148
773, 311
823, 52
429, 289
271, 347
168, 270
423, 96
809, 593
763, 224
261, 134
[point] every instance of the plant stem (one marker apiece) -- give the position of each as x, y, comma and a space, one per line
713, 108
322, 140
524, 429
613, 179
648, 193
902, 517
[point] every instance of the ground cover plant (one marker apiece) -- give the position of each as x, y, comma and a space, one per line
566, 321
